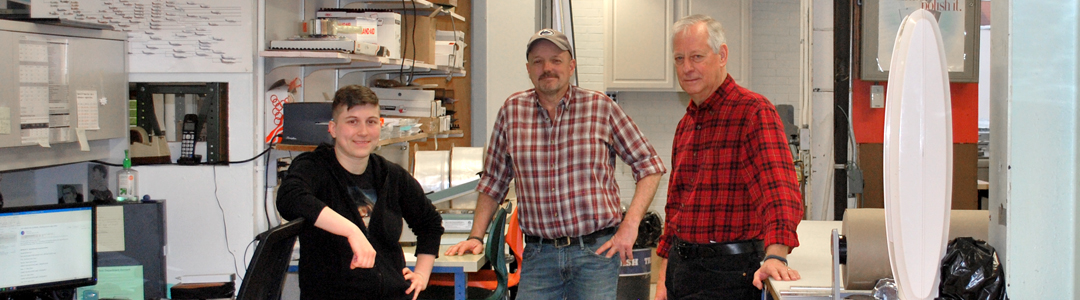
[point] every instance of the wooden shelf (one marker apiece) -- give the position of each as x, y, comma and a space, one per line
290, 147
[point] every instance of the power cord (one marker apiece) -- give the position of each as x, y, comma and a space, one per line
265, 151
226, 225
405, 42
412, 68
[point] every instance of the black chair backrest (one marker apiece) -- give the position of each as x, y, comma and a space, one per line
495, 250
265, 276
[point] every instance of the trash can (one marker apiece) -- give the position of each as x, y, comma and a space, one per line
634, 278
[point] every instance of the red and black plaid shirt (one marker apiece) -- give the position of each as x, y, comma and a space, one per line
732, 175
564, 164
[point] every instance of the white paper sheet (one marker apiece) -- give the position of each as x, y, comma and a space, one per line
110, 228
87, 102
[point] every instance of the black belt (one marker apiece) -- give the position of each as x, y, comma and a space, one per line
567, 241
691, 250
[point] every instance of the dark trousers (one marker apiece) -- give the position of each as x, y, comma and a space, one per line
717, 277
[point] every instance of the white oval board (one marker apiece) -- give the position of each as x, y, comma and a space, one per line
918, 157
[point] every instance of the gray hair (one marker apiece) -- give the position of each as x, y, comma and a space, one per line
716, 30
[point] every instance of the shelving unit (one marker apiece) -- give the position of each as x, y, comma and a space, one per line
346, 68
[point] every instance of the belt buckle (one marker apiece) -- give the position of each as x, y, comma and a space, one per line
558, 242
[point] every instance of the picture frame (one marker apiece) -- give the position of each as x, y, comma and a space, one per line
959, 22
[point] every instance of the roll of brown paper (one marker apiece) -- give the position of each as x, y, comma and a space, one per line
868, 253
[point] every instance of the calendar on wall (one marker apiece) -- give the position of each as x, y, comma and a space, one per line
167, 35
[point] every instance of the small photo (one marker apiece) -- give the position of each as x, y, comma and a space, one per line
97, 179
69, 193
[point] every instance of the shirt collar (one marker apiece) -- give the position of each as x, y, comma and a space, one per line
714, 100
569, 96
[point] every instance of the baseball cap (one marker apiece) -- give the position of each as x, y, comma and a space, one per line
552, 35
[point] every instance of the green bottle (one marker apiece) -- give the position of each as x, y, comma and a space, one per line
125, 182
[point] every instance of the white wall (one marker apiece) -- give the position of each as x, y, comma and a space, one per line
819, 192
207, 205
1036, 47
589, 36
501, 30
774, 51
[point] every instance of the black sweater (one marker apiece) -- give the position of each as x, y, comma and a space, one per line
316, 180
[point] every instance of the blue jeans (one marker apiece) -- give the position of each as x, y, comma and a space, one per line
574, 272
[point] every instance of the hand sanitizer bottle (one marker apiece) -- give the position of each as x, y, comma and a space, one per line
125, 182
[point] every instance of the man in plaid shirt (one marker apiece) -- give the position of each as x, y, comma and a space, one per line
733, 200
560, 142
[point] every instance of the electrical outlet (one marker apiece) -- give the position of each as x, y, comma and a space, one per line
877, 96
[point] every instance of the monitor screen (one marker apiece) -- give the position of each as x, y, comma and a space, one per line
47, 247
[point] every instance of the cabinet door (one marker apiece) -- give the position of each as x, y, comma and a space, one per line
637, 46
735, 16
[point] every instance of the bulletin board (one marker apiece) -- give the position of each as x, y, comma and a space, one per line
169, 36
957, 19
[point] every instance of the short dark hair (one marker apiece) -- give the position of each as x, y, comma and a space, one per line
352, 95
100, 168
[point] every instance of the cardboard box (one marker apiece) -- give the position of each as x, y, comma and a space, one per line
388, 26
359, 29
389, 31
654, 274
449, 53
423, 28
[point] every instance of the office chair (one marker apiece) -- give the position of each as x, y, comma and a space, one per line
497, 280
266, 275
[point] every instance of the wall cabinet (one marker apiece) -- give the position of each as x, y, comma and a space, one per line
61, 85
638, 48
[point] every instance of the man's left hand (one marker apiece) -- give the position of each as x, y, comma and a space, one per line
419, 282
622, 243
775, 269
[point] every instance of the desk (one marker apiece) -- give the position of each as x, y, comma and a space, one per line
457, 265
813, 260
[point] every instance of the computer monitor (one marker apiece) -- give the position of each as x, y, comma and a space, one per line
265, 277
47, 247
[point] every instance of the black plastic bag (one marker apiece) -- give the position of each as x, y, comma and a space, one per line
970, 271
649, 230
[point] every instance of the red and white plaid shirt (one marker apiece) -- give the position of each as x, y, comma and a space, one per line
732, 175
564, 166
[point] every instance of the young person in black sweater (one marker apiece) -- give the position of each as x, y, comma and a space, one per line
354, 201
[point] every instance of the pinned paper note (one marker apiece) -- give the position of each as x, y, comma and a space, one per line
5, 120
86, 102
119, 282
110, 228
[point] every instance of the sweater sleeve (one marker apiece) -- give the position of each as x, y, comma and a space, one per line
421, 216
296, 197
